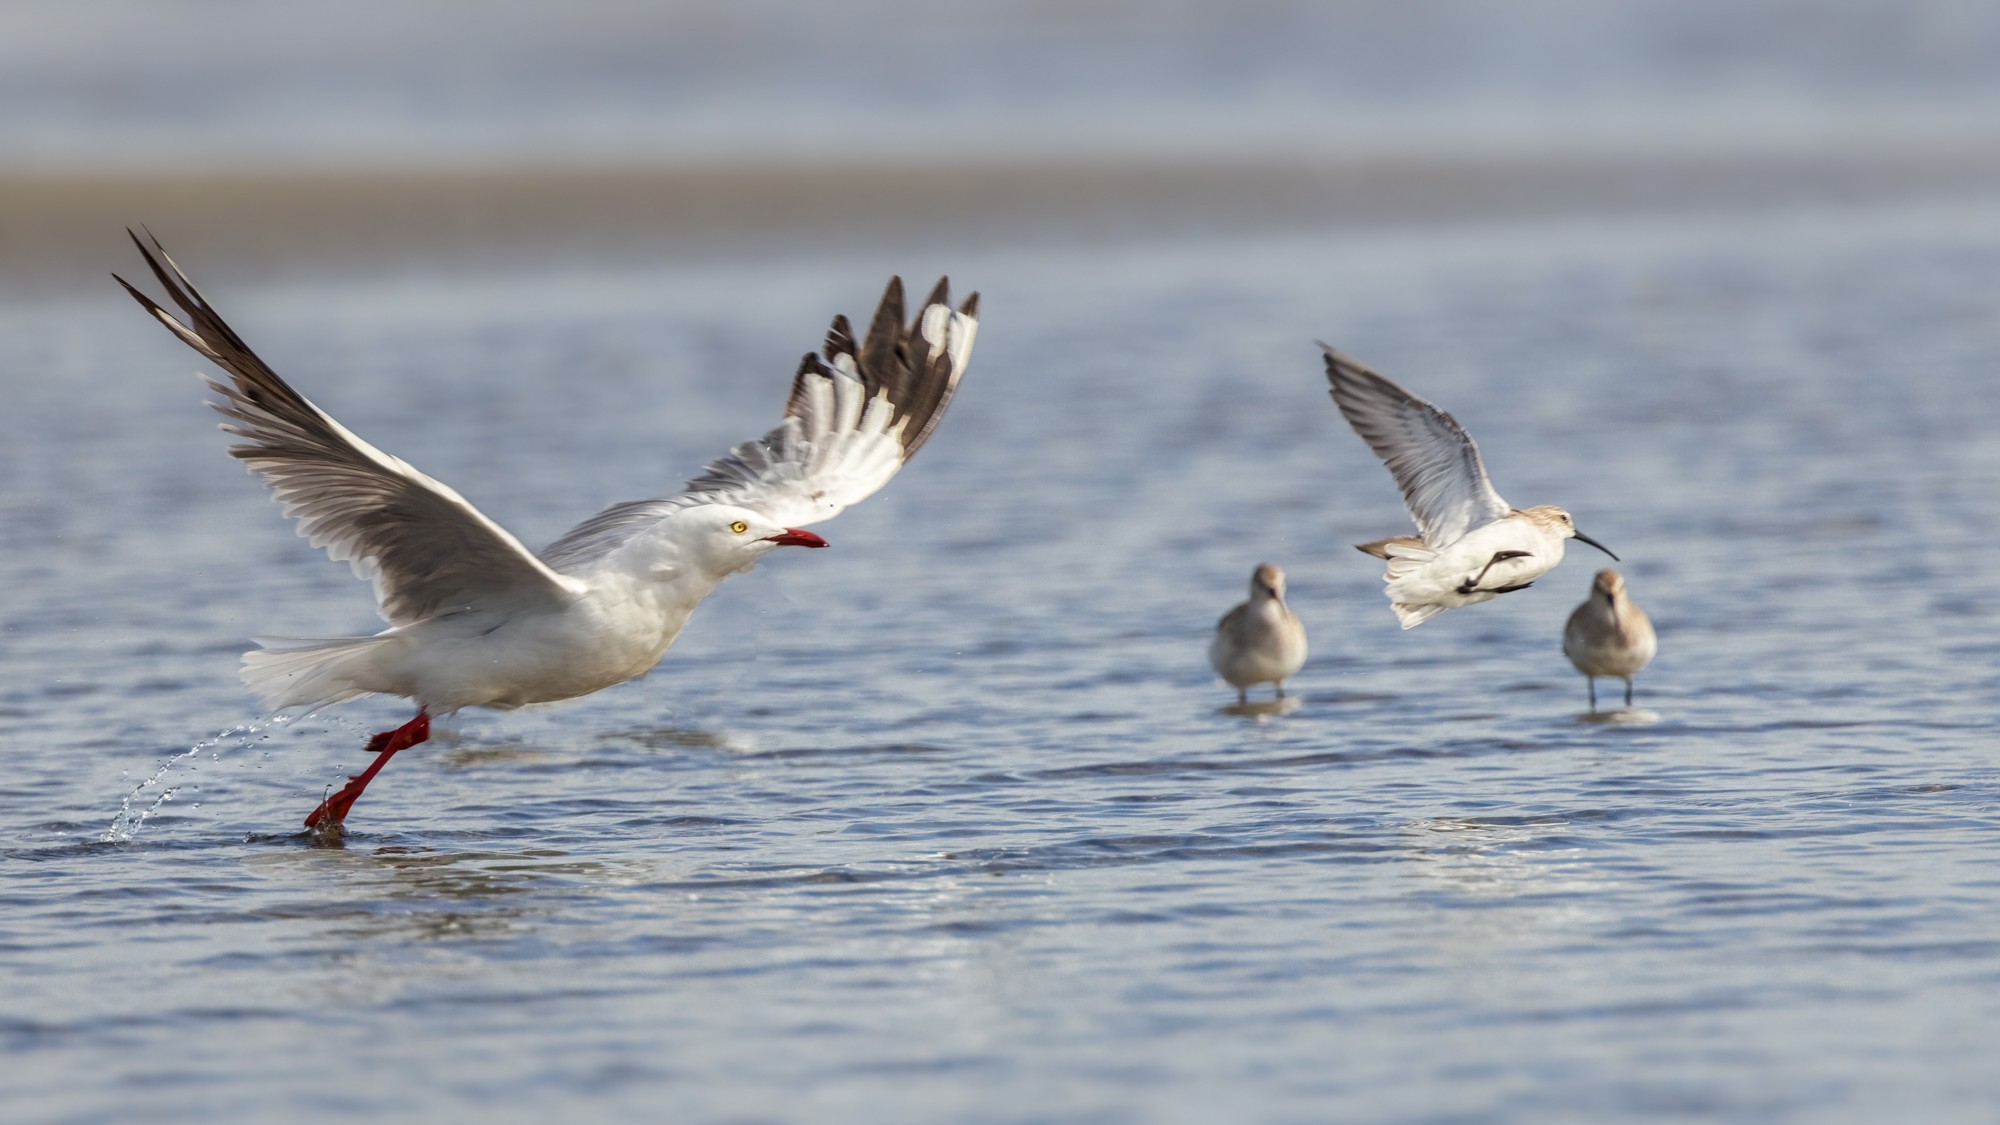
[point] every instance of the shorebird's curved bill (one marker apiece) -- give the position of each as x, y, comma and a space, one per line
1596, 544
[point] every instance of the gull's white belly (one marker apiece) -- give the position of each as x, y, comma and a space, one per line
505, 662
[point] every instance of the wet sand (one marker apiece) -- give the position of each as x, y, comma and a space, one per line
63, 227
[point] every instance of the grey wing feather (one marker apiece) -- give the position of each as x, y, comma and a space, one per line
1435, 462
426, 549
856, 413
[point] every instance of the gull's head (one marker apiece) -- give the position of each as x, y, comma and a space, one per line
1557, 520
723, 538
1267, 581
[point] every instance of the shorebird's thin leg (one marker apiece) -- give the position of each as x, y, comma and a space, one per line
1628, 692
333, 811
1243, 697
1592, 681
1471, 584
1281, 689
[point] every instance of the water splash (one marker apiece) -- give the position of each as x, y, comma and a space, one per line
131, 815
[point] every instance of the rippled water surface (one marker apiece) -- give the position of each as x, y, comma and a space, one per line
950, 822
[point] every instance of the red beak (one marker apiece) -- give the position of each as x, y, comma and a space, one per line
793, 537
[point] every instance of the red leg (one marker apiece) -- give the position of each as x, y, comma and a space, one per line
333, 810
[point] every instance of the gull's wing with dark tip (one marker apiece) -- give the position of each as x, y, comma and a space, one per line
1435, 462
425, 548
856, 413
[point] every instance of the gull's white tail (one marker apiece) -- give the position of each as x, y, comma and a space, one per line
307, 671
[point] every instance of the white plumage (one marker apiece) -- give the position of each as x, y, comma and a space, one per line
1471, 545
476, 619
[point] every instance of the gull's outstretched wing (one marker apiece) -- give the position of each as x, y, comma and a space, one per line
857, 412
1435, 462
425, 548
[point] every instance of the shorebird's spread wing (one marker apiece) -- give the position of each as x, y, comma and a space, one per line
427, 550
1435, 462
857, 412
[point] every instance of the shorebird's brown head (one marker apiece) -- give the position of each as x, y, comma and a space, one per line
1609, 585
1551, 518
1269, 581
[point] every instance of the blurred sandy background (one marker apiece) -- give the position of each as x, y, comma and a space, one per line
449, 134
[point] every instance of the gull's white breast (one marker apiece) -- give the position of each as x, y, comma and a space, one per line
617, 631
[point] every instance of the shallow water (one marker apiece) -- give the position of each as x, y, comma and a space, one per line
951, 821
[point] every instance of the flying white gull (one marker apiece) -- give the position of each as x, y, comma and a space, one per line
476, 619
1471, 547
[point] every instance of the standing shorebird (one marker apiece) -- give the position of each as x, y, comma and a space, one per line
1608, 635
1471, 547
476, 620
1261, 641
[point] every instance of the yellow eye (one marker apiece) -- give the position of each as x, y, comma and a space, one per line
739, 527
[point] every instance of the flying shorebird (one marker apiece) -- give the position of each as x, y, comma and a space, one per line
476, 620
1471, 546
1261, 641
1608, 635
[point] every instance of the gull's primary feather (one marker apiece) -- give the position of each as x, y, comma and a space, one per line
856, 413
426, 549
